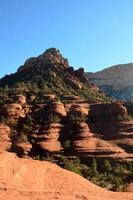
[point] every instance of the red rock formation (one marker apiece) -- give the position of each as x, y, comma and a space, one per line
49, 96
21, 99
13, 111
57, 108
107, 110
79, 109
87, 144
22, 148
47, 139
74, 83
26, 179
50, 56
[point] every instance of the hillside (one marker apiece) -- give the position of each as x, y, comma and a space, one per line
49, 73
49, 111
26, 179
115, 81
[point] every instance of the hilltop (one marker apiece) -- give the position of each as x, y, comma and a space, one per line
50, 73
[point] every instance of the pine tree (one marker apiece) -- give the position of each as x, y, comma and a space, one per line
107, 165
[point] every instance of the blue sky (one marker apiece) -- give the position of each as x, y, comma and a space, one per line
93, 34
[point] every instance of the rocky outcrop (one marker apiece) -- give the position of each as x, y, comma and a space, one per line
14, 111
49, 97
47, 138
5, 142
92, 129
107, 111
86, 143
79, 72
80, 109
50, 56
21, 99
26, 179
74, 83
22, 148
71, 97
57, 108
109, 122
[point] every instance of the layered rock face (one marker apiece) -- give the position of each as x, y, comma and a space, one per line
93, 130
106, 120
57, 108
23, 179
87, 143
15, 110
46, 140
107, 111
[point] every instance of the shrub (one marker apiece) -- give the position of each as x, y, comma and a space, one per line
67, 144
107, 165
26, 128
94, 167
79, 117
53, 118
23, 137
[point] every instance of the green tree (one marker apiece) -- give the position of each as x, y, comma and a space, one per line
94, 167
107, 165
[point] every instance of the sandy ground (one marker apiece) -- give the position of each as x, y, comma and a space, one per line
25, 179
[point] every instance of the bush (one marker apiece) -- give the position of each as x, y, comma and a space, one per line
67, 144
23, 137
26, 128
53, 118
71, 165
107, 165
77, 117
94, 167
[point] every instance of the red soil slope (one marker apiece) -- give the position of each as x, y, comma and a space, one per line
26, 179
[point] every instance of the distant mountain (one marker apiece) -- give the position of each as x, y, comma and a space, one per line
115, 81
